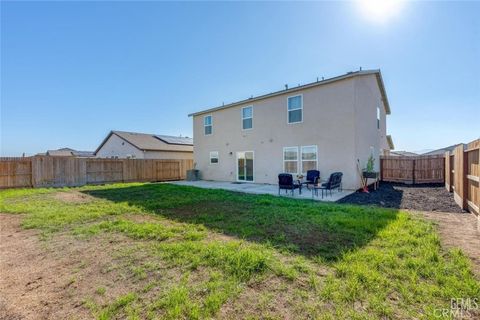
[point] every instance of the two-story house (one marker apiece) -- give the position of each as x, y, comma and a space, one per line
330, 125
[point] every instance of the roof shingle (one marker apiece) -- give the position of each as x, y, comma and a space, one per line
153, 142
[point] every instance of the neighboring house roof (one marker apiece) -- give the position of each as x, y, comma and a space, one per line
84, 154
175, 140
442, 150
152, 142
67, 152
403, 154
348, 75
59, 153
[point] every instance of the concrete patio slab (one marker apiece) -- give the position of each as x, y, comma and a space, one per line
263, 189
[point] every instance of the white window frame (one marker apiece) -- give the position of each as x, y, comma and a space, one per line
379, 117
212, 157
210, 125
301, 108
253, 165
242, 118
283, 158
301, 157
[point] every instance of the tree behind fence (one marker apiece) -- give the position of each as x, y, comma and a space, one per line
44, 171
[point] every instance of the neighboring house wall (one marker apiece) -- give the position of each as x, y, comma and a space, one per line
118, 147
168, 155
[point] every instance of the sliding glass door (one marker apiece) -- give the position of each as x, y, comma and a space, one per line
245, 166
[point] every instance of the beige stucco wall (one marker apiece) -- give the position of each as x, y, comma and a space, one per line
168, 155
331, 121
117, 147
368, 137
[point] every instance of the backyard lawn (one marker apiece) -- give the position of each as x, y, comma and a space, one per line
166, 251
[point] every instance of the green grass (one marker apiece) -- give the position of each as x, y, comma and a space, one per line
199, 251
101, 290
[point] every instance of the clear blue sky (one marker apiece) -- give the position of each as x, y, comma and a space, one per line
71, 72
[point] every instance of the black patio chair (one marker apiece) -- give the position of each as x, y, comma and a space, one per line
285, 181
334, 182
312, 178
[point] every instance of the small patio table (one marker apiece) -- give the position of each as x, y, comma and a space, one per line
318, 186
306, 183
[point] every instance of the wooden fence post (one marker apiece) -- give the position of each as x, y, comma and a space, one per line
35, 169
459, 176
381, 169
31, 172
123, 169
447, 178
465, 180
413, 171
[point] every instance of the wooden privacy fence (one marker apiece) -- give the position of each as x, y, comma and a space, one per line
462, 172
44, 171
15, 172
421, 169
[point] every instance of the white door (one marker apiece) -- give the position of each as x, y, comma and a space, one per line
245, 166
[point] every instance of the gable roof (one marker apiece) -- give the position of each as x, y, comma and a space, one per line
152, 142
84, 153
442, 150
403, 153
68, 152
62, 152
348, 75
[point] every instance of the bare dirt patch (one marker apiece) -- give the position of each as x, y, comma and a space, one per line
73, 197
143, 218
460, 231
53, 279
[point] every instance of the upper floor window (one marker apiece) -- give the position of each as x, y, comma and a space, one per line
295, 109
247, 118
207, 125
378, 117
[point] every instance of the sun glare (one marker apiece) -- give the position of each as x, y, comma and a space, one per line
380, 10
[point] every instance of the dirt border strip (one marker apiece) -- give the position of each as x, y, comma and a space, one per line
459, 231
